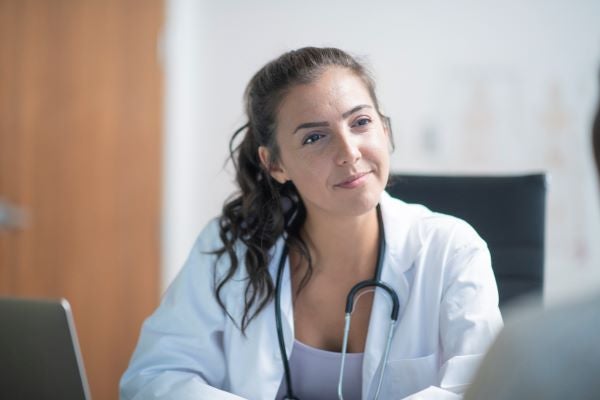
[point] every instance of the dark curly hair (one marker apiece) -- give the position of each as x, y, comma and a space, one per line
263, 209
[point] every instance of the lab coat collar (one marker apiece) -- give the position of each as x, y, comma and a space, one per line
402, 242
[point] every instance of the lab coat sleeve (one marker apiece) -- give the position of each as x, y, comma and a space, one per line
470, 317
469, 314
180, 350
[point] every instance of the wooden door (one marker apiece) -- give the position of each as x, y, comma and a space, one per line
80, 145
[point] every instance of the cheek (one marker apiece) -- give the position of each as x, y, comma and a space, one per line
300, 167
378, 145
307, 169
377, 152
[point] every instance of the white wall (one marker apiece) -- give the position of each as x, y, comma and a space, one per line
471, 87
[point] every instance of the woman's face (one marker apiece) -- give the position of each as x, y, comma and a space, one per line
333, 145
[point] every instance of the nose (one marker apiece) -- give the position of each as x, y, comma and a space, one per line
348, 151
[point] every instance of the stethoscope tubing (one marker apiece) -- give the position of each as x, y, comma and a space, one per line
284, 358
377, 283
393, 319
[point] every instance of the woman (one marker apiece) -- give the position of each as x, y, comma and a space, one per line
312, 211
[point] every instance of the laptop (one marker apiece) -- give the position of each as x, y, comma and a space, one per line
39, 352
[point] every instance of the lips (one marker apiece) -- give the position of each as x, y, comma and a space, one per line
353, 181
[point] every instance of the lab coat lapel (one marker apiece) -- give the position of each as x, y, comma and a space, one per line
379, 323
287, 309
260, 347
401, 250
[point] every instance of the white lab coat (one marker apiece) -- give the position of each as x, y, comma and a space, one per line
437, 264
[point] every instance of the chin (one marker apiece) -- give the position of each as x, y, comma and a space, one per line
358, 205
345, 203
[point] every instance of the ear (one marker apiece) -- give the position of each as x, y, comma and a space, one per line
387, 130
275, 169
385, 121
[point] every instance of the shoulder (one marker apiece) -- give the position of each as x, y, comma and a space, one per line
204, 262
204, 269
210, 259
209, 239
574, 320
425, 226
204, 252
534, 355
197, 268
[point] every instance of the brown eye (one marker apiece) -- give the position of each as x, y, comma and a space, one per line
362, 122
312, 138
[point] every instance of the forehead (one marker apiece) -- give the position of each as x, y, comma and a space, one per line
335, 91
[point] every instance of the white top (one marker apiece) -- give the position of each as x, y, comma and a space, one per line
315, 374
438, 265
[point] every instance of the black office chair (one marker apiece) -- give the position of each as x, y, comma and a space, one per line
508, 212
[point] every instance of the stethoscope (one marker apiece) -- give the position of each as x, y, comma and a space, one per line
376, 282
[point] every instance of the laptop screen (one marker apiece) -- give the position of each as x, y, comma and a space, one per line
39, 352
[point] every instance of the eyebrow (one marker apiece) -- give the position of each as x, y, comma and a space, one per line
325, 123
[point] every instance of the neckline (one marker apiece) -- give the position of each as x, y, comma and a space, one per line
322, 352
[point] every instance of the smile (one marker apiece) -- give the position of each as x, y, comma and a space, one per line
353, 181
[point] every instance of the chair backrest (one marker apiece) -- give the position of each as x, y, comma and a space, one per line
508, 212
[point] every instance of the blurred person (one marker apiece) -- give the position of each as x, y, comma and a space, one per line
551, 354
257, 311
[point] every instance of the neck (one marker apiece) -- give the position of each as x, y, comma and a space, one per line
342, 242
